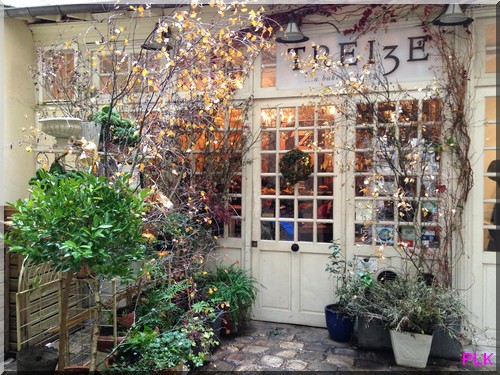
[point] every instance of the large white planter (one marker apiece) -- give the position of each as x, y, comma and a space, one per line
62, 128
411, 349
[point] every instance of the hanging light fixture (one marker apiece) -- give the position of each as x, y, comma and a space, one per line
155, 41
453, 16
292, 33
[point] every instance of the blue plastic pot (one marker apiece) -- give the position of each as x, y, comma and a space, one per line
339, 324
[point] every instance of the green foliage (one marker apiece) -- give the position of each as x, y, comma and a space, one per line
410, 305
149, 351
80, 219
123, 130
231, 288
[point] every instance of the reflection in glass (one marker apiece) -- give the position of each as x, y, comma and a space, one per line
268, 163
362, 234
306, 116
268, 118
287, 117
234, 228
268, 140
325, 162
287, 208
431, 110
287, 140
363, 161
268, 185
364, 137
408, 111
326, 115
306, 208
324, 232
325, 186
325, 139
267, 231
325, 209
384, 210
286, 188
306, 231
268, 208
286, 230
306, 187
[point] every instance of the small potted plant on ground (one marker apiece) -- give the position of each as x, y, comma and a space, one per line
234, 291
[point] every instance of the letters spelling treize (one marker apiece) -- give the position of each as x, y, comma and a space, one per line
347, 52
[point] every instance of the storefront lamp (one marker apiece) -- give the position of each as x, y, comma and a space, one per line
453, 16
153, 42
292, 33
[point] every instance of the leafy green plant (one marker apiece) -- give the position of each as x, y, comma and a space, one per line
149, 351
80, 219
232, 289
121, 130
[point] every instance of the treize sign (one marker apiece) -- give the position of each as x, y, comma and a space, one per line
404, 54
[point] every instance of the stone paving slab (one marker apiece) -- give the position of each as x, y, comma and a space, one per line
264, 346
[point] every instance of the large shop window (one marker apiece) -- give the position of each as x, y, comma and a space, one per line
491, 203
397, 167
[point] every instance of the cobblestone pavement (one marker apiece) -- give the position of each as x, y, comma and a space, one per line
266, 346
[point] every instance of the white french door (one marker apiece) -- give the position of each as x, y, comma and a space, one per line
293, 226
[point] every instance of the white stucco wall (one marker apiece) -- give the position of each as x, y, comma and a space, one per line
19, 102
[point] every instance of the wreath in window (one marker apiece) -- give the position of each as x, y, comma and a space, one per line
296, 166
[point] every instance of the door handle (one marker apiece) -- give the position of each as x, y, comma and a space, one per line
295, 247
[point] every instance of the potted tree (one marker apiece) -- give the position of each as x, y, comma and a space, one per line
338, 321
80, 219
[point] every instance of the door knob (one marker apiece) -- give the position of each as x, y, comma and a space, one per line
295, 247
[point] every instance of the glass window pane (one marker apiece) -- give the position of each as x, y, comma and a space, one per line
287, 208
268, 185
325, 209
268, 140
384, 210
306, 116
268, 76
431, 110
326, 139
287, 117
306, 231
385, 234
408, 111
268, 163
365, 113
364, 137
235, 205
363, 211
286, 231
324, 232
489, 218
363, 161
287, 140
234, 228
326, 116
491, 48
491, 108
286, 188
325, 186
268, 118
362, 234
267, 231
492, 239
490, 135
306, 208
491, 189
387, 112
306, 187
268, 208
325, 163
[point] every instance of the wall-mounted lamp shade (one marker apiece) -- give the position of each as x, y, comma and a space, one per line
292, 33
155, 42
454, 16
